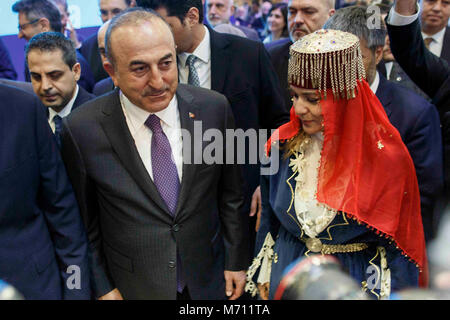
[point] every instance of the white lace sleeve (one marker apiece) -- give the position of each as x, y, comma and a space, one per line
264, 260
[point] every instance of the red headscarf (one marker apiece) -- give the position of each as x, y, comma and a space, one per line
366, 171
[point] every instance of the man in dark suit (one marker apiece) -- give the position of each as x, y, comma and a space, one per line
430, 73
36, 16
304, 17
89, 47
105, 85
238, 68
43, 245
143, 199
54, 74
415, 118
434, 19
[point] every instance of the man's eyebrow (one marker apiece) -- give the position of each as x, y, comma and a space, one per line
167, 56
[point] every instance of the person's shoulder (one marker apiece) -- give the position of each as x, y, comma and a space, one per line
405, 98
200, 95
279, 46
12, 94
89, 111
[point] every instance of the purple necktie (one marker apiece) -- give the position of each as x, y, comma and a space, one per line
165, 175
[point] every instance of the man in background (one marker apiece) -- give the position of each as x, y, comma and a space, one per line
304, 17
89, 47
218, 12
54, 74
36, 16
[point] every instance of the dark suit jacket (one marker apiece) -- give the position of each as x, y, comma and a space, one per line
418, 123
133, 237
26, 86
86, 79
7, 70
241, 70
89, 49
398, 75
103, 86
82, 97
279, 56
41, 232
445, 54
430, 73
249, 32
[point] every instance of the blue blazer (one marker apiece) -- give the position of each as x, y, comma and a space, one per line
418, 124
41, 233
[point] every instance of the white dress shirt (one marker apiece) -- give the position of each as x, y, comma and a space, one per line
202, 64
63, 113
376, 82
397, 19
142, 135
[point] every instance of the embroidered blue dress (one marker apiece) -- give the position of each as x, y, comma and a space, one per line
376, 263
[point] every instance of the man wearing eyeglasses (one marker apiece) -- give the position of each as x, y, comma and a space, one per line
37, 16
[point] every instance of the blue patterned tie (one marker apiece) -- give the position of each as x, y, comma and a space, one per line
193, 78
58, 125
165, 175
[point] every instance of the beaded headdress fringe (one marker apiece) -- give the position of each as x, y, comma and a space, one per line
337, 65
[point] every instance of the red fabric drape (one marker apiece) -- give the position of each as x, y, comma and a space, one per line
366, 171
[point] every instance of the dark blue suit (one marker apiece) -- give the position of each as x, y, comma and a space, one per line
7, 70
418, 123
103, 86
41, 233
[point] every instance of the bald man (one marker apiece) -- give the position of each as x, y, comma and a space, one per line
304, 17
106, 85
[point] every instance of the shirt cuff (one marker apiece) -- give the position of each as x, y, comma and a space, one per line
395, 19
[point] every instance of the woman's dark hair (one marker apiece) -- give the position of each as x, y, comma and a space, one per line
283, 8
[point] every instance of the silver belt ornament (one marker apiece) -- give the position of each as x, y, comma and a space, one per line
314, 244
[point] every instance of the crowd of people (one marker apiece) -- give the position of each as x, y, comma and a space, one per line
203, 149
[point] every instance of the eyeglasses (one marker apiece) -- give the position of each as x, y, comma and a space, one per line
22, 26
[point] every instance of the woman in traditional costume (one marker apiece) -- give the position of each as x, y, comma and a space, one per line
346, 184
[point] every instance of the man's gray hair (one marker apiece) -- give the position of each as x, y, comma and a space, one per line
355, 20
130, 17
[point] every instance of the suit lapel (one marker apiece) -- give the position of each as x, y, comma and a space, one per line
188, 113
220, 59
445, 54
116, 129
383, 94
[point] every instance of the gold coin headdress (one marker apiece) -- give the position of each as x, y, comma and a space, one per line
327, 59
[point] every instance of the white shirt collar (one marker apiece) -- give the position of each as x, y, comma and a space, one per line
138, 116
203, 50
66, 110
437, 37
375, 83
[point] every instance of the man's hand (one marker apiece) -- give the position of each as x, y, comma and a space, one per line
113, 295
406, 7
256, 207
264, 290
234, 284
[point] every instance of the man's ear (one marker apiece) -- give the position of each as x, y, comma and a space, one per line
44, 25
109, 68
76, 69
378, 54
193, 16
